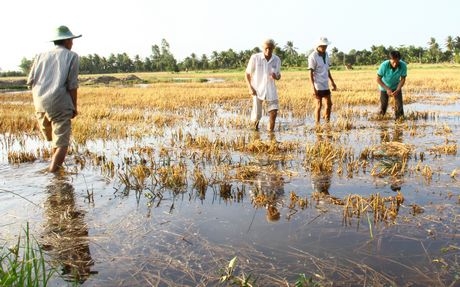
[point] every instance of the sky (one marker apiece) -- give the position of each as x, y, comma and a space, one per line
204, 26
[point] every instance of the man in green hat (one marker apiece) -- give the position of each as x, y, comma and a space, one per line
54, 82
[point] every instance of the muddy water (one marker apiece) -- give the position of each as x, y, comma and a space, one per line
97, 232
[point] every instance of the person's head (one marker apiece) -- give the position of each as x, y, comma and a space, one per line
268, 47
395, 57
322, 44
63, 37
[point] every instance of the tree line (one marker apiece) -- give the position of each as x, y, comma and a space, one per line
161, 58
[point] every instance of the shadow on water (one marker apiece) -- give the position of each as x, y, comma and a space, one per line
65, 236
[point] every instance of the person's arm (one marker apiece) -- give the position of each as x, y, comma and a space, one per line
248, 77
311, 66
382, 84
72, 82
276, 74
334, 87
251, 89
31, 77
312, 80
73, 95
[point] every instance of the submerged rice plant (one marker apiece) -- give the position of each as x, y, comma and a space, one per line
20, 157
392, 158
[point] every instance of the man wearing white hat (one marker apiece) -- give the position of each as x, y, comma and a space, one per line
54, 82
318, 64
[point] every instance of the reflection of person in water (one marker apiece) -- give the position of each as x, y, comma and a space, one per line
321, 183
385, 136
321, 180
395, 136
66, 233
269, 188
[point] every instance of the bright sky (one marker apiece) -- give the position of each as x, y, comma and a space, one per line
203, 26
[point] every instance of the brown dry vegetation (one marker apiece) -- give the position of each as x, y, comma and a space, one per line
106, 110
118, 112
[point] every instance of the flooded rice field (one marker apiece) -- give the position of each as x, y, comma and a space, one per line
362, 201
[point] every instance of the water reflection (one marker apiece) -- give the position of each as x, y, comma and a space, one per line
321, 183
387, 136
395, 136
321, 180
267, 191
65, 236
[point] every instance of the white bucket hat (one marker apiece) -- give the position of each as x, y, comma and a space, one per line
323, 41
63, 33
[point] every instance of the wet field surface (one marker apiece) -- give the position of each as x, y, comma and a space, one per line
217, 193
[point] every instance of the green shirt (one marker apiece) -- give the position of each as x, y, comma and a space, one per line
390, 76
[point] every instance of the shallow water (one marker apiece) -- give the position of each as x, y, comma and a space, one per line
94, 228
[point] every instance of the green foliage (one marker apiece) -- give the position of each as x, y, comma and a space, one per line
162, 60
26, 65
23, 264
304, 281
229, 277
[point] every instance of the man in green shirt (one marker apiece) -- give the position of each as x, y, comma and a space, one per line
391, 77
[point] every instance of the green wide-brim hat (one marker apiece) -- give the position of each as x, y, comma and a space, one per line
63, 33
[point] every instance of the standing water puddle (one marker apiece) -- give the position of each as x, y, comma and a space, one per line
112, 225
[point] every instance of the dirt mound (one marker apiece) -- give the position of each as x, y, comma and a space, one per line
132, 79
106, 80
100, 80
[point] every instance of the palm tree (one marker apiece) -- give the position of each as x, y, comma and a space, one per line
193, 61
457, 43
290, 54
204, 62
450, 45
289, 49
433, 50
215, 59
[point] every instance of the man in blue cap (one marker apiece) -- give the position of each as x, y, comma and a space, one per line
54, 82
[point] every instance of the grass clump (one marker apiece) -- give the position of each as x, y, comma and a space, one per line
24, 263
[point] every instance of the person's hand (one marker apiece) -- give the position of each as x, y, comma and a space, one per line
315, 93
75, 113
252, 91
275, 76
395, 92
334, 87
389, 92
